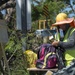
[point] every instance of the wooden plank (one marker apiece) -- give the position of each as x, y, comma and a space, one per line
37, 69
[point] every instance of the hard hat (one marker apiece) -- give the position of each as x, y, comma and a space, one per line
62, 19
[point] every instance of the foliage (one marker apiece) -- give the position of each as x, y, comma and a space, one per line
53, 7
19, 66
14, 43
35, 13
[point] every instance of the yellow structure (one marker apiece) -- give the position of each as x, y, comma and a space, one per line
42, 24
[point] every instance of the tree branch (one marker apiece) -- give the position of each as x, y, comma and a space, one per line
9, 15
3, 2
8, 5
72, 8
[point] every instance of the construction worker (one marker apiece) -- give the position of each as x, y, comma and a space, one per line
65, 36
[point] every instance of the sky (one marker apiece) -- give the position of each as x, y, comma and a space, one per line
3, 12
68, 9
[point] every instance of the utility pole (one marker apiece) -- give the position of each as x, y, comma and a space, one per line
23, 13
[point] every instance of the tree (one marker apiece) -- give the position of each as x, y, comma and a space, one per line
54, 6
